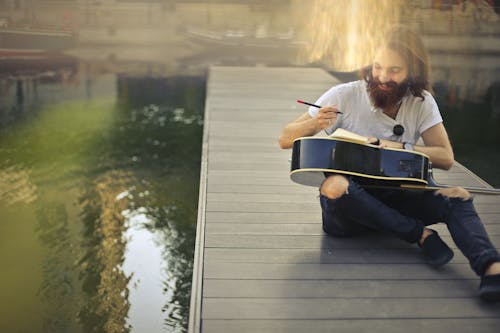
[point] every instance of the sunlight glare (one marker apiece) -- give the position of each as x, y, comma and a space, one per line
343, 33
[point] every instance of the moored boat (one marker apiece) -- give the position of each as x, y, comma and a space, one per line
15, 43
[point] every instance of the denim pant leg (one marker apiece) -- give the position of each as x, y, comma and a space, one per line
335, 223
358, 208
469, 234
461, 218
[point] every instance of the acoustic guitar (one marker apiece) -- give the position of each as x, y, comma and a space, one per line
313, 158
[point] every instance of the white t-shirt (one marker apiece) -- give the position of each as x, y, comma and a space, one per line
361, 117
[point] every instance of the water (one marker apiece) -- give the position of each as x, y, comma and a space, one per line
99, 195
100, 149
474, 130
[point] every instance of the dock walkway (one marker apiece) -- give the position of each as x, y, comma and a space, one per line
262, 261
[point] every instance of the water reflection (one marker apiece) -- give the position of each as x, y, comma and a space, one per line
144, 264
15, 185
105, 303
156, 204
59, 287
103, 180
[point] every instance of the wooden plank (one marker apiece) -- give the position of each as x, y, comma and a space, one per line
243, 206
482, 203
312, 271
490, 218
351, 288
262, 198
313, 242
320, 256
269, 217
282, 229
264, 229
427, 325
240, 205
341, 308
259, 189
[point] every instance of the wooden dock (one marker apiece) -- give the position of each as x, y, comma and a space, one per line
262, 262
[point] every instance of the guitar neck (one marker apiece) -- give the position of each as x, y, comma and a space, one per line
479, 190
433, 185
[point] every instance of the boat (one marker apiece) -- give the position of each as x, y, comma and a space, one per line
19, 43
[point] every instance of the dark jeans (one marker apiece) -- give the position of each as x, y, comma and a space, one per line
405, 213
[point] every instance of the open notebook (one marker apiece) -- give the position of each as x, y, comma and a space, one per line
341, 133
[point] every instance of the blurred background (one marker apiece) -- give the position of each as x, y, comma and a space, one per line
101, 118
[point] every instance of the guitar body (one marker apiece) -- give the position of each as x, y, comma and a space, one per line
313, 158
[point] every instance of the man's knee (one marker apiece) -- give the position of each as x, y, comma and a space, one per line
334, 186
455, 192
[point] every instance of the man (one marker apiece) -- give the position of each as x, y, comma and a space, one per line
392, 105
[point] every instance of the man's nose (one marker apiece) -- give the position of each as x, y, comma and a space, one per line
383, 77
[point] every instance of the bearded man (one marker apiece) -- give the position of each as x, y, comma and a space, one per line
393, 106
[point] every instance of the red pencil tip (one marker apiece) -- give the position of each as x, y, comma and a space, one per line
300, 101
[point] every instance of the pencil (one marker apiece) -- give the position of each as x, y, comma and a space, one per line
313, 105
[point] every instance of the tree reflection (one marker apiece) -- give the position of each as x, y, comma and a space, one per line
148, 161
161, 127
58, 288
144, 156
105, 305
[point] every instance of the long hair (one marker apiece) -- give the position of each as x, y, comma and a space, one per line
410, 47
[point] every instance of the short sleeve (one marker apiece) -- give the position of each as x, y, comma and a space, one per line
430, 114
330, 97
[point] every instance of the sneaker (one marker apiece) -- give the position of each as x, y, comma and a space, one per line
489, 289
436, 252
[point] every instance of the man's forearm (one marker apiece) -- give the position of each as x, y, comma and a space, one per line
441, 157
296, 130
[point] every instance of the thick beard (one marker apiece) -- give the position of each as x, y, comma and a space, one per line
385, 99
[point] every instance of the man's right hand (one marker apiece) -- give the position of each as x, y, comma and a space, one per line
327, 116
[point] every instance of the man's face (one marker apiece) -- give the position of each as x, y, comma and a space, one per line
389, 83
389, 66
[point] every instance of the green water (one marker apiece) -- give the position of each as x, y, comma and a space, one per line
98, 204
474, 130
